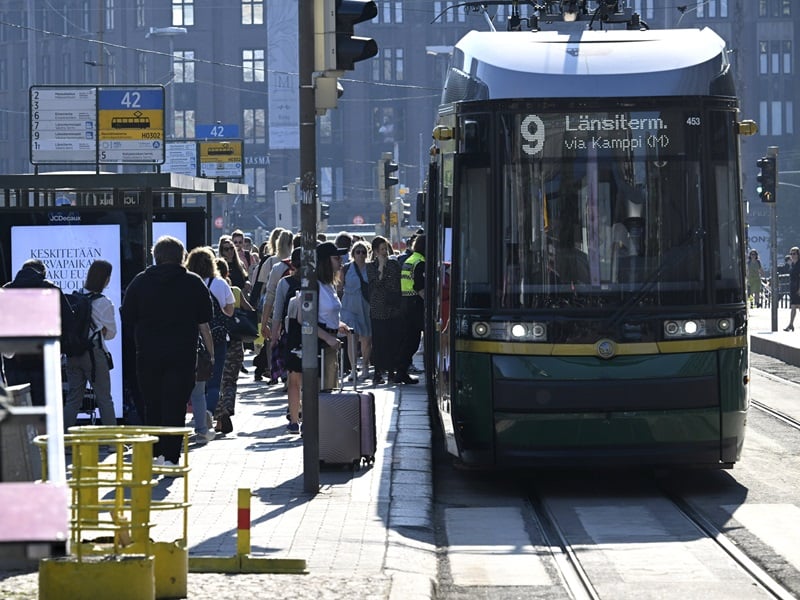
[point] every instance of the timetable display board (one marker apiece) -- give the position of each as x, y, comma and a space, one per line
131, 125
63, 125
96, 125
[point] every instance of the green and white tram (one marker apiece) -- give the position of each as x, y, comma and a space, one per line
585, 277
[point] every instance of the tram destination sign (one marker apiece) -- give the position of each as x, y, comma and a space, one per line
96, 125
63, 125
131, 125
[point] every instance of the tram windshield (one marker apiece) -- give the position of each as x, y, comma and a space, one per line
600, 207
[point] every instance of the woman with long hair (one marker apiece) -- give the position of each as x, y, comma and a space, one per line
236, 269
355, 307
94, 365
383, 273
203, 262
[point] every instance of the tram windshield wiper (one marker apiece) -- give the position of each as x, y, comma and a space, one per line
680, 252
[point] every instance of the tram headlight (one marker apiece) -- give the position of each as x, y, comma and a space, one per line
685, 328
507, 331
725, 326
518, 330
480, 329
527, 332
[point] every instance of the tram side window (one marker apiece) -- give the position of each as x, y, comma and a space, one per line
473, 214
723, 192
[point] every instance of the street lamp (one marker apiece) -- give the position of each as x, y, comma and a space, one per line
169, 33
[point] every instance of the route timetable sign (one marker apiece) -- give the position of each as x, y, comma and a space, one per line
223, 159
63, 125
130, 125
96, 125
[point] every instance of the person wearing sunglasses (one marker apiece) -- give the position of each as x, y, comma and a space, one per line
355, 307
794, 286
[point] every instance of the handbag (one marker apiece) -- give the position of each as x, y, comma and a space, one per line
204, 365
243, 325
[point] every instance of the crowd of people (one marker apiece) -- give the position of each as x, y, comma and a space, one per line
370, 304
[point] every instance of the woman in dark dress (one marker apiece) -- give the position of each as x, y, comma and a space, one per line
383, 274
794, 286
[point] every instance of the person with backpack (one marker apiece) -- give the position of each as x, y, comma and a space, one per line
96, 323
29, 368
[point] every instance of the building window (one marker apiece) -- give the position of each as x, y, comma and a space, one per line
109, 15
253, 65
66, 68
387, 125
3, 74
184, 124
182, 13
389, 11
389, 66
254, 120
776, 117
141, 67
88, 67
183, 66
644, 8
86, 12
256, 179
774, 8
3, 125
45, 74
23, 73
252, 12
3, 30
712, 9
454, 14
140, 20
775, 57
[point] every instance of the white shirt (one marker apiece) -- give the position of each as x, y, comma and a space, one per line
330, 306
103, 315
222, 291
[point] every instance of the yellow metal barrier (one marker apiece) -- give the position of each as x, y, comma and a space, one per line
120, 563
126, 479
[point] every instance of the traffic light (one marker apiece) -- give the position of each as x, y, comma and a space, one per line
405, 213
389, 179
767, 178
336, 46
324, 211
350, 48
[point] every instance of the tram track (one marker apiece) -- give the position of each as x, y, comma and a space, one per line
789, 420
761, 577
577, 579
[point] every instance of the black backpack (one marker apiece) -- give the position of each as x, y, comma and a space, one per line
76, 324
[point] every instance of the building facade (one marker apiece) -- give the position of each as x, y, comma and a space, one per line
235, 65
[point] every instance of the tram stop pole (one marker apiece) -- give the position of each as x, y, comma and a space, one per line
308, 229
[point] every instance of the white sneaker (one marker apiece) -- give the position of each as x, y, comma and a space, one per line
160, 461
210, 421
210, 434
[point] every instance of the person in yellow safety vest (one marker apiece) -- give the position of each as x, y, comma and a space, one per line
412, 289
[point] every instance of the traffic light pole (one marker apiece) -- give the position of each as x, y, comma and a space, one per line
308, 229
772, 151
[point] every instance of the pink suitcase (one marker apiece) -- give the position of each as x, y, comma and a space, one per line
347, 432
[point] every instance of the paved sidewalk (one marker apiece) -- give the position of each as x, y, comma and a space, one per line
366, 534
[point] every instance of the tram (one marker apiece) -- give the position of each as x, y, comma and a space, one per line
585, 249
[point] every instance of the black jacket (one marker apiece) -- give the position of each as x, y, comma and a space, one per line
162, 308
